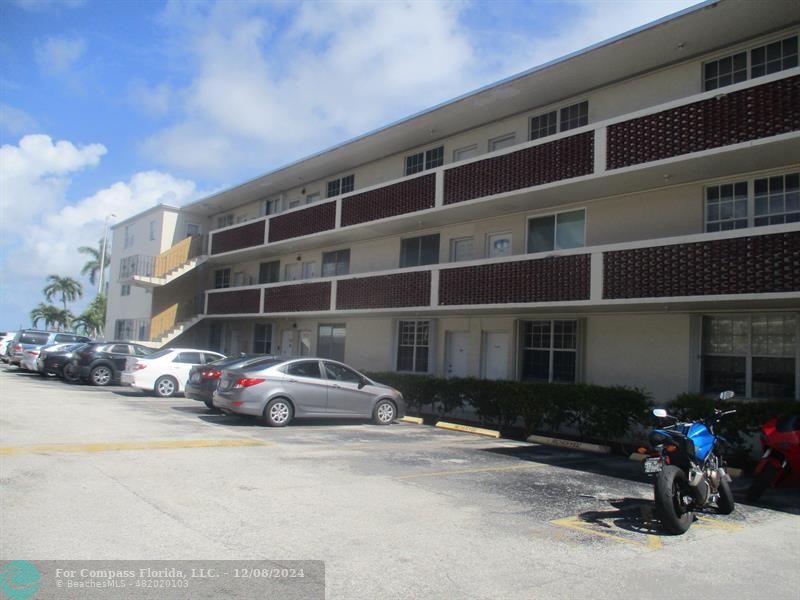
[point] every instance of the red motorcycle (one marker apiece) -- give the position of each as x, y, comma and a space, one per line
780, 463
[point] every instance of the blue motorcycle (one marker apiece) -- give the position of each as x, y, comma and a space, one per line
689, 469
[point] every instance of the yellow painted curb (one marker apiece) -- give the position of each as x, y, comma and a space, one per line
540, 439
416, 420
468, 429
143, 445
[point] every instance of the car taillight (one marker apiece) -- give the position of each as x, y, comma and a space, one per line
140, 366
33, 352
210, 374
18, 348
248, 381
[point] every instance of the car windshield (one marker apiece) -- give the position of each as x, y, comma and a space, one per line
32, 337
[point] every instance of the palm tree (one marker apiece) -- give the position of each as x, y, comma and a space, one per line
92, 266
45, 312
93, 319
66, 287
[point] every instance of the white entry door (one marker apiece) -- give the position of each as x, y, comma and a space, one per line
457, 354
287, 343
495, 355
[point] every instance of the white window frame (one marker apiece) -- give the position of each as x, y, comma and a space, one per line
292, 271
125, 290
309, 269
747, 49
466, 149
198, 226
502, 141
224, 220
454, 242
748, 356
431, 360
578, 350
751, 198
555, 233
272, 206
129, 239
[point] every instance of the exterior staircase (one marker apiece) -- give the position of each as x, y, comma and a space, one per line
172, 275
177, 330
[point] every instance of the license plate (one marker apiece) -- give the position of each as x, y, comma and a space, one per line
652, 465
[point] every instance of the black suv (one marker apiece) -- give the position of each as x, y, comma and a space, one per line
100, 363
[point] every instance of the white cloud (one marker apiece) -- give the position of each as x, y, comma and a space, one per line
351, 67
16, 121
58, 55
154, 100
34, 176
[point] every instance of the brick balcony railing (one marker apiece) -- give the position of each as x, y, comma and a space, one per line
389, 201
719, 264
238, 238
314, 219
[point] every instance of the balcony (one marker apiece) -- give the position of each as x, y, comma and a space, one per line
709, 135
152, 271
760, 266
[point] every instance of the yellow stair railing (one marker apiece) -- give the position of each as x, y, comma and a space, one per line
163, 322
173, 258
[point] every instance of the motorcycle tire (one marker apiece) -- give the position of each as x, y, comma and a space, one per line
762, 482
725, 502
671, 484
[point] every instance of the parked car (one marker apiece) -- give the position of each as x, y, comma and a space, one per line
34, 339
5, 340
165, 372
281, 390
100, 363
56, 359
203, 378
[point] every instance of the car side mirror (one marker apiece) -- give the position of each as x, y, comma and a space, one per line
362, 382
727, 395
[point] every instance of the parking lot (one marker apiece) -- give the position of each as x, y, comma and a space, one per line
404, 511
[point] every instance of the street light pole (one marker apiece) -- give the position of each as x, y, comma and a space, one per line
103, 253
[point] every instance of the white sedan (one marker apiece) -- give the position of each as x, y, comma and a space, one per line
165, 372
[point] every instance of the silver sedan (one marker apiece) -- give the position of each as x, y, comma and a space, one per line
306, 387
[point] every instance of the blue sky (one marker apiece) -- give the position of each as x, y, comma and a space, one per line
113, 106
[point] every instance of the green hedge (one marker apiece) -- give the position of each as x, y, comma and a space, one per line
596, 412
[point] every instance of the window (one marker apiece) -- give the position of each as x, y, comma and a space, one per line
462, 249
294, 203
269, 272
192, 229
222, 278
341, 185
765, 201
557, 232
549, 351
725, 71
774, 57
418, 251
421, 161
306, 368
504, 141
753, 355
242, 218
726, 206
544, 125
312, 197
336, 263
413, 346
338, 372
132, 329
777, 200
224, 221
238, 279
125, 290
498, 244
119, 349
763, 60
309, 269
291, 272
272, 206
262, 338
128, 236
330, 341
189, 358
574, 116
152, 230
465, 153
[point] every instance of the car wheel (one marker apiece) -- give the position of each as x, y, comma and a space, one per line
70, 373
210, 405
100, 375
384, 412
165, 386
278, 413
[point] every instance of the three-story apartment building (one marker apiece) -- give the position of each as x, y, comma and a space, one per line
629, 214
